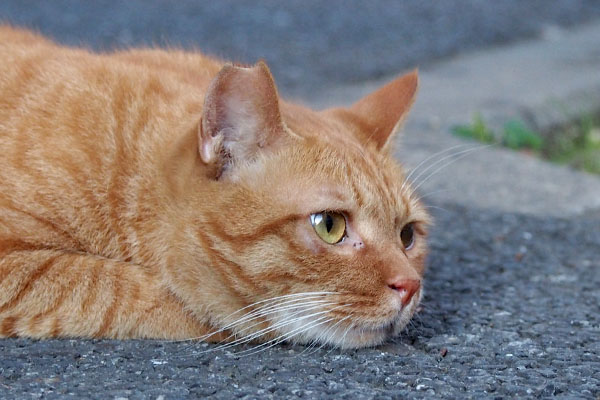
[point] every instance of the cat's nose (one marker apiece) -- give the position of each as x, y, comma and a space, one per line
406, 288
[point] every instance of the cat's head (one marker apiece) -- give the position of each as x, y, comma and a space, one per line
312, 219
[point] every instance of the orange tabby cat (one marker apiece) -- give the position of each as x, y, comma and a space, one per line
164, 194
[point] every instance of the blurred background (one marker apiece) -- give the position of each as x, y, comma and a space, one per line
310, 45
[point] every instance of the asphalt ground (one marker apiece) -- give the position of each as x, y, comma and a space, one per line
511, 311
512, 304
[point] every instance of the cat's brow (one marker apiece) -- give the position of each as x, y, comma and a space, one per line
335, 194
332, 199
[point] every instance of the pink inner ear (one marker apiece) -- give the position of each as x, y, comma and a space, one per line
207, 147
241, 114
382, 111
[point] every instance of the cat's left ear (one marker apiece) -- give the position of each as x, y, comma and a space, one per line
240, 118
380, 114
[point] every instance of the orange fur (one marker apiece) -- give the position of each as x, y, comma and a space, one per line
153, 193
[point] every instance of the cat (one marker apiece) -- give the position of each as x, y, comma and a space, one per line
152, 193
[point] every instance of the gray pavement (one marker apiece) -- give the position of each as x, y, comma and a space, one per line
544, 82
311, 45
511, 311
512, 305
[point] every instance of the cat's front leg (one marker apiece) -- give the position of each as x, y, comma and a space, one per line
52, 293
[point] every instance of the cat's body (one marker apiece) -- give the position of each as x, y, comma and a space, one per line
154, 194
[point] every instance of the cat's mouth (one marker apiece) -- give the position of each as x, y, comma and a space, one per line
362, 336
368, 334
357, 334
346, 329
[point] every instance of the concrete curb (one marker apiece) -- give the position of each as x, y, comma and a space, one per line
545, 82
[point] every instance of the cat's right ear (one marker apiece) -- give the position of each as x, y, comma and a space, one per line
240, 117
377, 116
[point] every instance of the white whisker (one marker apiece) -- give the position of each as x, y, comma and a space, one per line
266, 303
458, 156
260, 312
296, 331
436, 208
274, 342
271, 328
439, 153
423, 196
348, 329
273, 299
329, 337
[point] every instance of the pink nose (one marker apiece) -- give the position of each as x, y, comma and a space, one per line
406, 288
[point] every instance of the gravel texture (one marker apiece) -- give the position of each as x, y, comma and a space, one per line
310, 45
512, 305
511, 311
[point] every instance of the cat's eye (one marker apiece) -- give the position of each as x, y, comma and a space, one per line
329, 226
407, 235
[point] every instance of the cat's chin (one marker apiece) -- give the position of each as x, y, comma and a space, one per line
357, 335
365, 336
348, 338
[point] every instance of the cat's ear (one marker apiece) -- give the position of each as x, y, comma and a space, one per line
381, 113
240, 117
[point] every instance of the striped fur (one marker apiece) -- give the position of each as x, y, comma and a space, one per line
122, 215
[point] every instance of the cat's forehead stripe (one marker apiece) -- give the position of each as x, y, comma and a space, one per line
355, 190
371, 183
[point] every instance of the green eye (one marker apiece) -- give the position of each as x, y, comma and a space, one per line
330, 226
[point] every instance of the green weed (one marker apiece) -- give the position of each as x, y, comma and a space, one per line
517, 136
577, 145
478, 130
